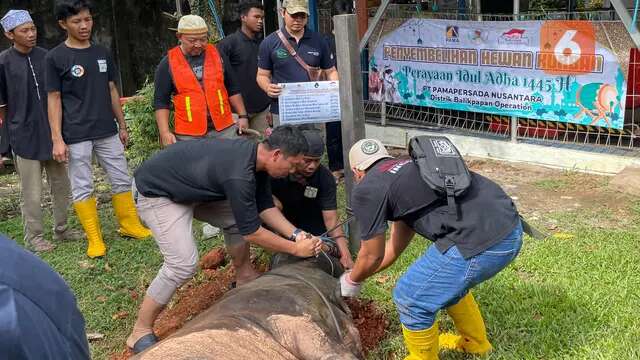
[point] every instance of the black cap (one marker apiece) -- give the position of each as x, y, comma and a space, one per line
315, 143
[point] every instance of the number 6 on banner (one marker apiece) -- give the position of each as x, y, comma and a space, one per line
567, 47
566, 43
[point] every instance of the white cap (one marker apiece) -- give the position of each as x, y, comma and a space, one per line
192, 24
366, 152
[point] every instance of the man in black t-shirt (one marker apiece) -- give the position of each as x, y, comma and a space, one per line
467, 250
307, 197
83, 101
189, 179
241, 49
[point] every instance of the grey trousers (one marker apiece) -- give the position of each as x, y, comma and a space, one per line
110, 154
30, 172
258, 121
171, 225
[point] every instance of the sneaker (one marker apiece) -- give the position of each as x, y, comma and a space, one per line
68, 234
209, 231
42, 245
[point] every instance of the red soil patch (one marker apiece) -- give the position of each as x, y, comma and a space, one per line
193, 298
371, 321
213, 259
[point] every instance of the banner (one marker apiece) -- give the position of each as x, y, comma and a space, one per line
309, 102
547, 70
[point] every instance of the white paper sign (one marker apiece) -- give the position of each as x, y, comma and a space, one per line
309, 102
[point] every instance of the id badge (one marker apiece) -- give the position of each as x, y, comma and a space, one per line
102, 65
310, 192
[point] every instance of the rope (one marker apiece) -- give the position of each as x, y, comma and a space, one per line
216, 19
635, 17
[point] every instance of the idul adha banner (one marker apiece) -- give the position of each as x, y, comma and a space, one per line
548, 70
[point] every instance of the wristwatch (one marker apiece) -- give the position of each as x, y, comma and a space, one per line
245, 116
295, 233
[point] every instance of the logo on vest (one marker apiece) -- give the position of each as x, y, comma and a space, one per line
369, 147
77, 71
282, 53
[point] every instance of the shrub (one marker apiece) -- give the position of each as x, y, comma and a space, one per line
143, 131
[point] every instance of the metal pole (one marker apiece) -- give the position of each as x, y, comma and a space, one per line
478, 9
627, 21
313, 15
279, 11
351, 92
374, 23
514, 119
178, 8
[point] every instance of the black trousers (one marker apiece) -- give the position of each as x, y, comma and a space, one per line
334, 145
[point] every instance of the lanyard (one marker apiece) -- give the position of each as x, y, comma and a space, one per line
35, 80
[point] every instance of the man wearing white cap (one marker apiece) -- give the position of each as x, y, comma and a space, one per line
283, 53
467, 249
83, 102
24, 111
199, 85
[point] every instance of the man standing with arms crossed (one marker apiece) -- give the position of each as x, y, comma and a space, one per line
277, 65
24, 112
83, 101
201, 86
241, 49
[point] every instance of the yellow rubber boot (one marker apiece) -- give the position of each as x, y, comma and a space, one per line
87, 212
125, 211
472, 336
421, 344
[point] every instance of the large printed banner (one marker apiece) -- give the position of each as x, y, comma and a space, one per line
548, 70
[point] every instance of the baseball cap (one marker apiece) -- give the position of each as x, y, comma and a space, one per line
192, 24
296, 6
366, 152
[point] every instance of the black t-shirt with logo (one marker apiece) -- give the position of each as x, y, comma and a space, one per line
303, 203
205, 170
82, 77
393, 190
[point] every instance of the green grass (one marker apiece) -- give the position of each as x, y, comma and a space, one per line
575, 297
561, 299
105, 287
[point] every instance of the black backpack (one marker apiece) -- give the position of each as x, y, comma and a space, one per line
441, 167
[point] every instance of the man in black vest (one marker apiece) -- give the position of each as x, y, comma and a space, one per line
467, 250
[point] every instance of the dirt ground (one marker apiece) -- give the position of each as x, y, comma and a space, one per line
537, 191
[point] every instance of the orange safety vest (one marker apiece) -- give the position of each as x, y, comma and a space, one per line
192, 101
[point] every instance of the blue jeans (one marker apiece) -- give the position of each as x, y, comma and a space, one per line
438, 280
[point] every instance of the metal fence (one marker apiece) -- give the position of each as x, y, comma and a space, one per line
592, 138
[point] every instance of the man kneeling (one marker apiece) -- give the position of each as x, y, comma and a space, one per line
222, 182
307, 197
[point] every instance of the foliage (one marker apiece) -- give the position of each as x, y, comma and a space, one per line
143, 131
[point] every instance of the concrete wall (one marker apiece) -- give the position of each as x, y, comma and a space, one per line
555, 157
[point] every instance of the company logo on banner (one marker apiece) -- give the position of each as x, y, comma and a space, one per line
548, 70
